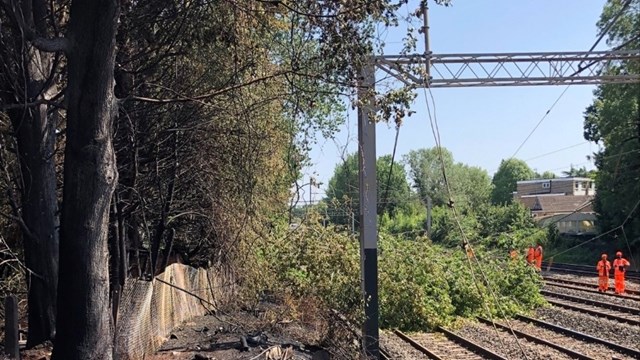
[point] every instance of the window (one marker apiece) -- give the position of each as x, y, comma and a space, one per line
546, 185
577, 185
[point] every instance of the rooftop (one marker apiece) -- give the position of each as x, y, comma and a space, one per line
535, 181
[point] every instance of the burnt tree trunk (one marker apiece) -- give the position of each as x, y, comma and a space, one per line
85, 326
35, 138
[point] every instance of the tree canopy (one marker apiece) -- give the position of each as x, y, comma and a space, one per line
470, 186
613, 121
342, 192
505, 180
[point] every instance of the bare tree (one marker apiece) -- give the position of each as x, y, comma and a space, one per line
84, 326
28, 76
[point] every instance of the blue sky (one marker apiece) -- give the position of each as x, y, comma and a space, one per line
482, 126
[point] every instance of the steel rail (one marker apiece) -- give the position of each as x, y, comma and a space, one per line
384, 355
581, 336
417, 345
593, 312
628, 276
538, 340
589, 290
471, 345
619, 308
587, 268
580, 283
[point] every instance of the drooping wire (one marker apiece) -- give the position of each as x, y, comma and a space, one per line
393, 156
624, 233
556, 151
539, 122
619, 227
465, 242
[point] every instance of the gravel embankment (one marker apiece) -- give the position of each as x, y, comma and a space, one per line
398, 348
597, 297
633, 285
504, 343
596, 351
616, 332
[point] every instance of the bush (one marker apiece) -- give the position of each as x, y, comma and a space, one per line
414, 293
422, 285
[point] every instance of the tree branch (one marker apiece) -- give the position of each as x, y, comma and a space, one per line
210, 94
51, 45
30, 104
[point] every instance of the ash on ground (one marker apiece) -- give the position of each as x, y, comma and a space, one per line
265, 334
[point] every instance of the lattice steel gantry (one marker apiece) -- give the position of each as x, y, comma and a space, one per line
507, 69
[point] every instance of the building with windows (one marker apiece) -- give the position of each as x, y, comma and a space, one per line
570, 186
565, 202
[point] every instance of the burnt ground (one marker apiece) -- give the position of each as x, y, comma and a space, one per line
270, 333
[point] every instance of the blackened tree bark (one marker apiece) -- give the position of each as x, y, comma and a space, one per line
85, 327
35, 138
28, 77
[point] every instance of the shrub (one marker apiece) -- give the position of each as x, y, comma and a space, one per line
422, 285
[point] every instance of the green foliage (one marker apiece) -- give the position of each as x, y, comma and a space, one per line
342, 193
545, 175
422, 285
446, 230
505, 180
470, 186
414, 291
495, 227
409, 222
612, 122
496, 220
579, 172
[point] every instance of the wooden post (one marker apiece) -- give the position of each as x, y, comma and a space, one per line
11, 335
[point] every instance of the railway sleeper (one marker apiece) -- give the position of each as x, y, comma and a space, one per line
581, 336
592, 285
618, 308
599, 312
538, 340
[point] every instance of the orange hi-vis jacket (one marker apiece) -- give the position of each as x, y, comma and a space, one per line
616, 266
531, 255
604, 267
539, 256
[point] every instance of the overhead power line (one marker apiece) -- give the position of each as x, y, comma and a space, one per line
602, 35
540, 122
556, 151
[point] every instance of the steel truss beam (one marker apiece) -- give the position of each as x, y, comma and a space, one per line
508, 69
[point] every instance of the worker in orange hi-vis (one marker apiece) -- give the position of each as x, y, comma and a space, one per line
620, 265
603, 267
538, 257
531, 255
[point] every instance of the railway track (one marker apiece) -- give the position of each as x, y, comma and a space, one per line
385, 355
589, 343
446, 345
595, 303
632, 275
585, 286
601, 309
537, 339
